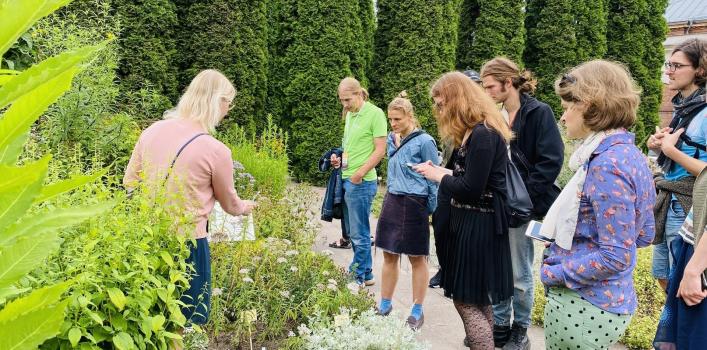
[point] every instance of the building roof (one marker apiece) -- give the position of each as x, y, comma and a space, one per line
686, 10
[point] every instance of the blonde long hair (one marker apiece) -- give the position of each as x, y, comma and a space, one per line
201, 102
352, 85
465, 105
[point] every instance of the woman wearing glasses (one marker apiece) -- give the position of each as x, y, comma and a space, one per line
686, 70
589, 268
477, 267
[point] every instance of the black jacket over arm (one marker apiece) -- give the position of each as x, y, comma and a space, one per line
538, 138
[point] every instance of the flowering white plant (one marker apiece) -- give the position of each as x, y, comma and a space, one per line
380, 332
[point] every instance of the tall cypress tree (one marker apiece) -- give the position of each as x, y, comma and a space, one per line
318, 43
231, 36
590, 24
147, 51
488, 29
415, 43
635, 33
551, 44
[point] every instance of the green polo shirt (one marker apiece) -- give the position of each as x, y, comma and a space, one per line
360, 130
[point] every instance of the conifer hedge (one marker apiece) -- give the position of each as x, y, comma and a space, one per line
551, 45
415, 43
147, 51
488, 29
315, 45
231, 36
635, 34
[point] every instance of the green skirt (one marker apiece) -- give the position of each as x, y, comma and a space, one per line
574, 323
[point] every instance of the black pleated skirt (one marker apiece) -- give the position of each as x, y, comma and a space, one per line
404, 226
477, 264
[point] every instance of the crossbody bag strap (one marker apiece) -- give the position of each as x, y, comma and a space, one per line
171, 166
413, 135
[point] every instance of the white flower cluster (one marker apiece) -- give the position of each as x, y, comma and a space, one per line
380, 333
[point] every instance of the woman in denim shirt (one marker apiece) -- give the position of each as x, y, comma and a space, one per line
603, 214
403, 226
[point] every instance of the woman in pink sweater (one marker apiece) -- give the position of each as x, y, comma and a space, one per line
179, 155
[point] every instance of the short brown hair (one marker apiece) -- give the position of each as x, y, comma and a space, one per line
696, 52
610, 94
501, 69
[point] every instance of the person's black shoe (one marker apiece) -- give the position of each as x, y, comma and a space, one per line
518, 340
436, 280
501, 335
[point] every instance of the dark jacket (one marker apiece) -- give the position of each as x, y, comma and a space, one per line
332, 206
538, 138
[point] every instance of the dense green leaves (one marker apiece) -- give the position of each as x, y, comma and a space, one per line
415, 43
488, 29
315, 45
636, 30
231, 36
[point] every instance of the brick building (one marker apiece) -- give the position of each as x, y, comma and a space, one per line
686, 19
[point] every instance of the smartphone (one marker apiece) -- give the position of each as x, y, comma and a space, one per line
410, 165
704, 281
533, 231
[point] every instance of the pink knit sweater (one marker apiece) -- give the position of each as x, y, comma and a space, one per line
202, 174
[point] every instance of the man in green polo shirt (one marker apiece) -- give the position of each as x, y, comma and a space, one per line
364, 147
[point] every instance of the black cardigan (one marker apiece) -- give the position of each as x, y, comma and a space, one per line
538, 138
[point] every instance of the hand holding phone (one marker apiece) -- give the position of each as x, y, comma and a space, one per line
533, 231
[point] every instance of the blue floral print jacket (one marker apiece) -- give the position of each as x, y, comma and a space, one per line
615, 218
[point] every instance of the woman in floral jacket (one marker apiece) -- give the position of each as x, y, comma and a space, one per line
602, 215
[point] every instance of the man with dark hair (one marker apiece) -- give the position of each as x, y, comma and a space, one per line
537, 151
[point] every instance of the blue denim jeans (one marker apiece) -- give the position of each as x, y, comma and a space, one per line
358, 199
662, 259
520, 305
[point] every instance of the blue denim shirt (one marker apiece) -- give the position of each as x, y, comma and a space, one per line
402, 180
615, 218
697, 130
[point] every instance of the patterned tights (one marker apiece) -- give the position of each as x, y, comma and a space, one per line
478, 325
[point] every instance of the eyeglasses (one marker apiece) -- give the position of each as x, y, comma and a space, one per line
672, 66
229, 101
567, 80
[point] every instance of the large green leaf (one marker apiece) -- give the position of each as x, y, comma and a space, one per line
60, 187
123, 341
17, 16
51, 221
18, 119
32, 329
24, 255
9, 292
45, 71
38, 299
9, 154
19, 186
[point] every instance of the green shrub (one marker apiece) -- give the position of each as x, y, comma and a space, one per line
315, 45
29, 229
635, 35
129, 270
147, 53
415, 43
551, 45
231, 36
90, 103
488, 29
299, 282
265, 158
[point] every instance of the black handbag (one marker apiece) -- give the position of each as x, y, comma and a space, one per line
518, 204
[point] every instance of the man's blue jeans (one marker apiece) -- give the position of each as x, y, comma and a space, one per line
662, 257
521, 305
358, 199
